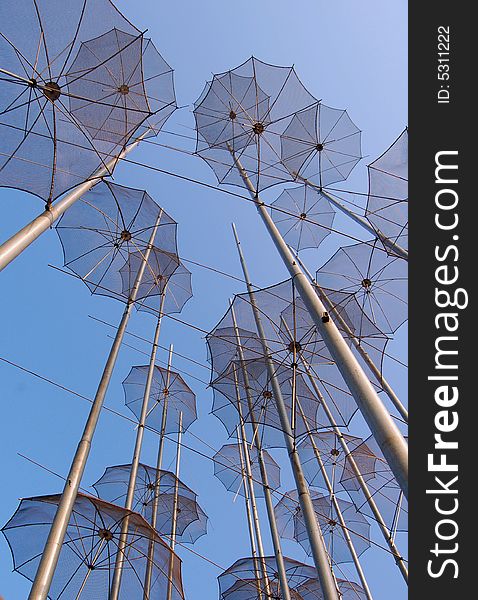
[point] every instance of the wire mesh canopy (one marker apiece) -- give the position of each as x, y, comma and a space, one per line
242, 576
101, 231
241, 115
63, 80
168, 389
167, 294
373, 467
378, 281
191, 520
349, 590
304, 217
90, 550
299, 330
387, 203
224, 343
132, 90
257, 403
230, 472
383, 486
290, 522
321, 144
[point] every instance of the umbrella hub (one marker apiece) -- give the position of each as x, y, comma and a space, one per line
258, 128
319, 147
232, 115
105, 534
267, 394
125, 235
366, 283
334, 452
123, 89
51, 90
303, 216
294, 346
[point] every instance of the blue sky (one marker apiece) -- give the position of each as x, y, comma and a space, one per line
351, 55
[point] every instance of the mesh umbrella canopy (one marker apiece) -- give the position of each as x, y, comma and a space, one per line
241, 115
242, 574
384, 488
45, 147
136, 95
290, 522
378, 281
191, 520
380, 481
312, 590
167, 387
105, 86
298, 327
89, 552
387, 203
263, 409
258, 589
224, 343
321, 144
228, 469
176, 288
100, 232
293, 207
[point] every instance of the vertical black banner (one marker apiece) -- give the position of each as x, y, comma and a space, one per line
443, 259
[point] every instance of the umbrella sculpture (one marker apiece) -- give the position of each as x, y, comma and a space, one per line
90, 549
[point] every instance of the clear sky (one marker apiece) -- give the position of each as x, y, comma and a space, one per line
351, 55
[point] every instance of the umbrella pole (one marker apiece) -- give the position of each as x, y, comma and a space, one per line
357, 345
15, 245
118, 572
317, 544
157, 483
279, 557
343, 525
358, 474
251, 524
265, 481
46, 569
174, 516
391, 245
381, 424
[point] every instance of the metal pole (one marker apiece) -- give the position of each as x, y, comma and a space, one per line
46, 569
381, 424
118, 572
279, 557
396, 248
357, 345
343, 525
363, 484
317, 544
157, 483
250, 480
174, 516
14, 246
246, 484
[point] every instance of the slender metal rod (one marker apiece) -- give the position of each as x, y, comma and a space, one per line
316, 539
46, 569
15, 245
390, 244
376, 415
369, 496
387, 388
157, 483
250, 523
174, 516
271, 516
338, 510
133, 474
